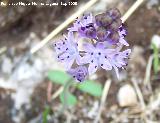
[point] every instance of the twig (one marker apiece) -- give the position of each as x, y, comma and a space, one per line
103, 99
132, 9
139, 93
141, 99
148, 73
57, 93
49, 91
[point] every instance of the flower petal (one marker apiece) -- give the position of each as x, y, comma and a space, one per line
104, 63
125, 53
88, 47
122, 41
101, 45
69, 64
63, 56
85, 59
92, 67
78, 60
60, 46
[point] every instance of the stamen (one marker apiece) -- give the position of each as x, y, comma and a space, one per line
85, 17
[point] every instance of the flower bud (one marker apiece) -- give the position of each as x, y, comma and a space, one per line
79, 73
115, 25
114, 37
101, 33
98, 19
107, 20
90, 31
114, 13
103, 20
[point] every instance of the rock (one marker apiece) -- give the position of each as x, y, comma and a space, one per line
127, 96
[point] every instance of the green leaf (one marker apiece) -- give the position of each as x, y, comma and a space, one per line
71, 100
156, 58
58, 77
45, 114
91, 87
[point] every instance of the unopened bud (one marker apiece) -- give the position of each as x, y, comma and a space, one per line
101, 33
91, 32
114, 13
114, 37
103, 19
115, 25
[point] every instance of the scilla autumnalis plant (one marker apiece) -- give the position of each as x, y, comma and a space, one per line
104, 36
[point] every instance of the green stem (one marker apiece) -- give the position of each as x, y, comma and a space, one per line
156, 59
65, 94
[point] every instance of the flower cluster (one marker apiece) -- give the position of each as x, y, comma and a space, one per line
105, 35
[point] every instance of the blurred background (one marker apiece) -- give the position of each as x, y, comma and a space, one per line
28, 89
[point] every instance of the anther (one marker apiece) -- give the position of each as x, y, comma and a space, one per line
99, 53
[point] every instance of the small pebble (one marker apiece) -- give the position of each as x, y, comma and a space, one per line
127, 96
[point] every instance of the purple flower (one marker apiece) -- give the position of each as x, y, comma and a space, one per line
118, 59
122, 33
67, 51
96, 57
85, 26
107, 34
79, 73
